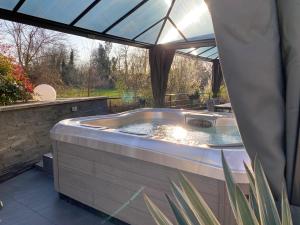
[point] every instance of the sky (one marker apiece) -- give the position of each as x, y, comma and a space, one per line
83, 46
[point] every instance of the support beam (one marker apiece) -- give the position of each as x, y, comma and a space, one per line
92, 5
206, 50
194, 56
189, 44
125, 16
153, 25
18, 6
179, 31
200, 52
66, 28
164, 23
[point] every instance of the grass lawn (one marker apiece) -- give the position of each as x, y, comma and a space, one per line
70, 92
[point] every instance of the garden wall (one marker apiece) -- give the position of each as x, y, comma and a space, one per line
24, 129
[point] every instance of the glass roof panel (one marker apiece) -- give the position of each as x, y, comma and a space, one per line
64, 11
4, 4
192, 19
209, 52
151, 35
141, 19
200, 50
186, 50
214, 56
169, 34
105, 13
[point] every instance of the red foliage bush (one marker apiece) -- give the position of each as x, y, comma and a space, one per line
18, 74
14, 84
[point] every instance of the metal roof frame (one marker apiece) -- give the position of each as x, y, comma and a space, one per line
84, 12
125, 16
14, 15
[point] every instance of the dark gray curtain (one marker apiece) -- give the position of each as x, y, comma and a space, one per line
289, 17
160, 60
249, 47
217, 78
259, 47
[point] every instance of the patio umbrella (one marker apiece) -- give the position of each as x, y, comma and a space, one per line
259, 47
160, 63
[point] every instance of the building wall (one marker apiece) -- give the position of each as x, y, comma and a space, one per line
24, 129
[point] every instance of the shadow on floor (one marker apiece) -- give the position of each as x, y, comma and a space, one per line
30, 199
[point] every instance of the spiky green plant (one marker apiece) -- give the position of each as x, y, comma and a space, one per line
191, 209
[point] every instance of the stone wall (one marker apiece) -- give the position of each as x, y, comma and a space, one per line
24, 129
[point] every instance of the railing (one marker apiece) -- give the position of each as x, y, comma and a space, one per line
117, 104
180, 100
183, 100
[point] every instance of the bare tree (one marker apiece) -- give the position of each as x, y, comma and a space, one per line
188, 74
30, 42
124, 56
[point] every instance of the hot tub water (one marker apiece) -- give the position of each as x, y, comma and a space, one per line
187, 135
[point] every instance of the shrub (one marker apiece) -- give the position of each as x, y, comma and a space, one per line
14, 84
6, 66
223, 93
191, 209
195, 95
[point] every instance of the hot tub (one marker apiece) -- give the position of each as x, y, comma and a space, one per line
105, 161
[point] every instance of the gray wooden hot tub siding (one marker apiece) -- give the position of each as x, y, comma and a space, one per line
105, 181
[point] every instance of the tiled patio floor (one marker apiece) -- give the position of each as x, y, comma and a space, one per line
30, 199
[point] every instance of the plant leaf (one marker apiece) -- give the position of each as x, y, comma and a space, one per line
252, 190
266, 204
181, 217
250, 176
254, 204
184, 203
156, 213
286, 216
246, 214
199, 205
230, 187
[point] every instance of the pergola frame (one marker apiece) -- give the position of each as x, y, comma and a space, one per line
163, 52
16, 16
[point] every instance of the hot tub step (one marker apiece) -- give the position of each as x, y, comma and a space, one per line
47, 164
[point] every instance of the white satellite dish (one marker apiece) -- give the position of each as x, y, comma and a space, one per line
44, 92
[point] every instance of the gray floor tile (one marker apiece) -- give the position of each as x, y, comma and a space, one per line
30, 199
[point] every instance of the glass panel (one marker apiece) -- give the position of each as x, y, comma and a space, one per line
202, 37
64, 11
186, 50
209, 52
8, 4
105, 13
169, 34
214, 56
192, 19
141, 19
199, 50
151, 35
